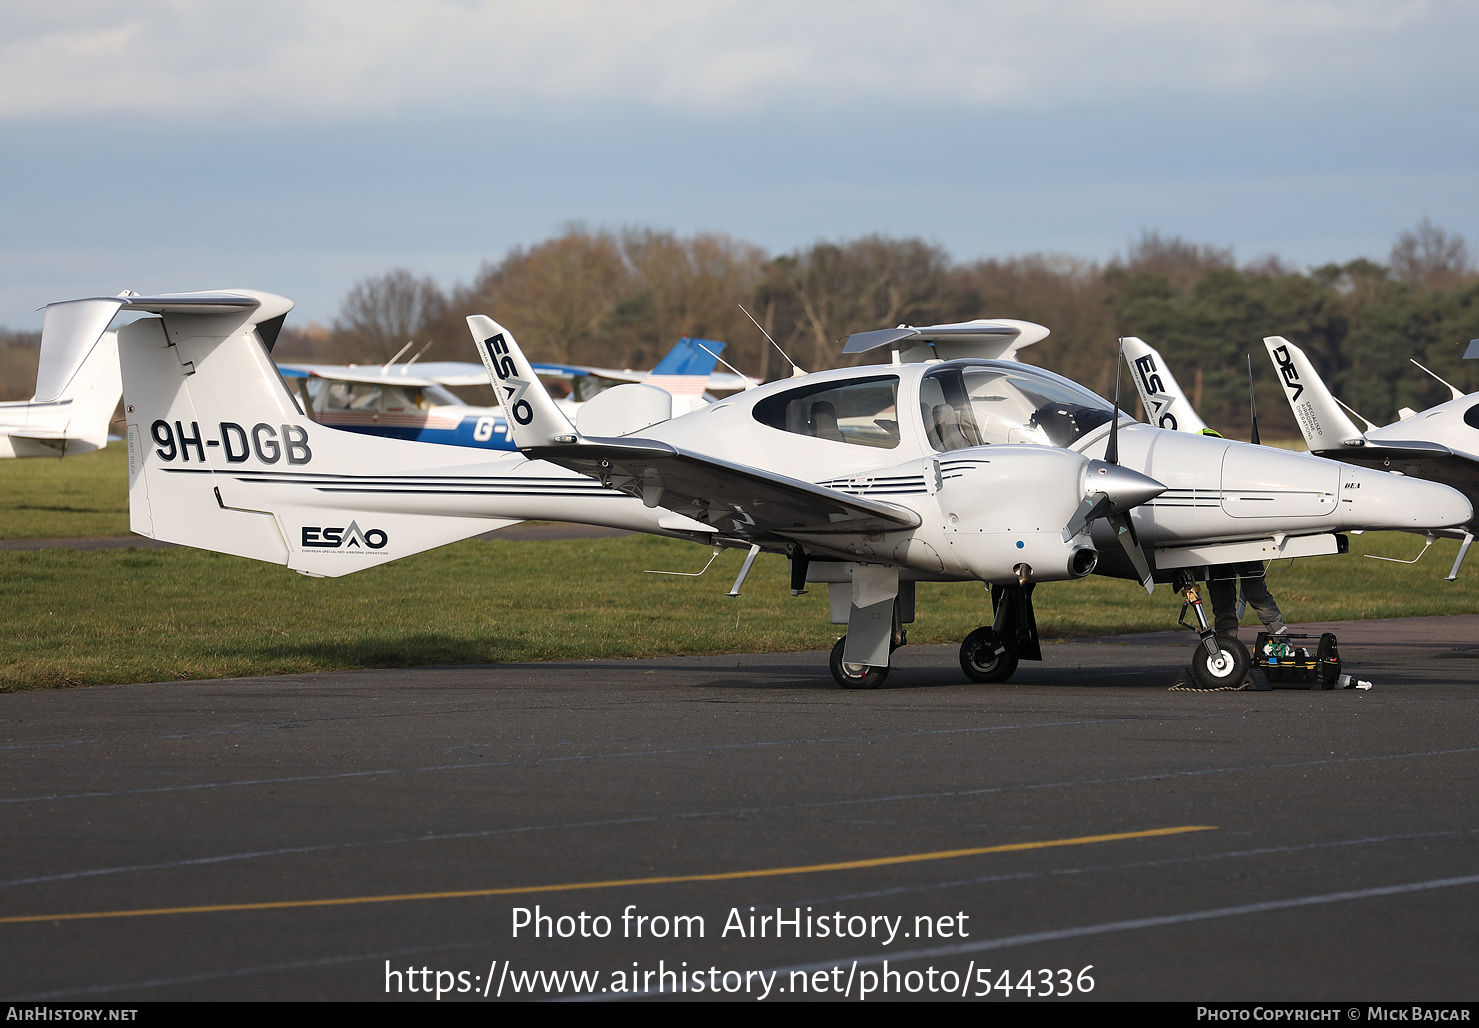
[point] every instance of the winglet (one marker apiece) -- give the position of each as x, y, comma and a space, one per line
1324, 425
533, 417
1166, 406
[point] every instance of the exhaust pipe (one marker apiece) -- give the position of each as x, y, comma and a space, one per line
1083, 561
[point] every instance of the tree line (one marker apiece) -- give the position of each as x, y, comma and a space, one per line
621, 298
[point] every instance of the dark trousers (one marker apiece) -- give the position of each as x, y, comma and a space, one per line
1222, 589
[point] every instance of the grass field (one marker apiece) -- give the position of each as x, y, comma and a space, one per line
64, 498
133, 615
91, 617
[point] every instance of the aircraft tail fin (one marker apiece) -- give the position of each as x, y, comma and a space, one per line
684, 372
77, 381
94, 392
1324, 425
221, 456
1166, 405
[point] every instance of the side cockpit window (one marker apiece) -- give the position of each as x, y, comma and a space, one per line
863, 411
974, 405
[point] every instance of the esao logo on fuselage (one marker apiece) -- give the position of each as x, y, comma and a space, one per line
350, 538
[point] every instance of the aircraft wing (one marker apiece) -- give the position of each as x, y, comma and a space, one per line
1415, 458
369, 373
733, 498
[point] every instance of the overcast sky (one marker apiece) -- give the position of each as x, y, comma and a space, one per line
298, 146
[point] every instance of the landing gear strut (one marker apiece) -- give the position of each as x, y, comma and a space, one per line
1216, 662
991, 654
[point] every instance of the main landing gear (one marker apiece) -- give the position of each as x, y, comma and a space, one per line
876, 606
991, 654
1217, 662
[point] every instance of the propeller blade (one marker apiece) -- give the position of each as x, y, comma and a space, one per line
1095, 505
1252, 400
1124, 530
1112, 451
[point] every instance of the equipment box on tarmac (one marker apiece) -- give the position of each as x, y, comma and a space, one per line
1290, 663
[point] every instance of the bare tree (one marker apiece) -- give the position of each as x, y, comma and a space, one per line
556, 296
385, 312
1180, 261
868, 283
1064, 293
1427, 256
686, 287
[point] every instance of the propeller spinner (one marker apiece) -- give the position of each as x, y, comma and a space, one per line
1112, 491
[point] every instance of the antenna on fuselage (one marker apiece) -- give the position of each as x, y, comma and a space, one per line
1370, 425
1112, 451
416, 356
796, 371
409, 343
743, 377
1456, 395
1252, 400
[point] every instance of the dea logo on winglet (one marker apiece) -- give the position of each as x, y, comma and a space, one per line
347, 539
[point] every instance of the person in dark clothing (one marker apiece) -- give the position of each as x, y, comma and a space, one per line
1222, 587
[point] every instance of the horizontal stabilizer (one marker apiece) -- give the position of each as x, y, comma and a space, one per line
994, 339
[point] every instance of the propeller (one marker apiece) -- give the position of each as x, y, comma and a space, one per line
1112, 491
1252, 400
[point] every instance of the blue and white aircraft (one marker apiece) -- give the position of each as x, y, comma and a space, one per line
414, 401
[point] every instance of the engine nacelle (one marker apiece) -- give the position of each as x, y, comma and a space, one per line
1004, 506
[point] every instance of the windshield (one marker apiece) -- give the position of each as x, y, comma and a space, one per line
972, 405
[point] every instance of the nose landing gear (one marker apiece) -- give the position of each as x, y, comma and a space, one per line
1217, 662
991, 654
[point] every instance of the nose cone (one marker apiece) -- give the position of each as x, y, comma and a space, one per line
1378, 499
1125, 488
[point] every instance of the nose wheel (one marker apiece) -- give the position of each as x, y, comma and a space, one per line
986, 657
1228, 667
1217, 662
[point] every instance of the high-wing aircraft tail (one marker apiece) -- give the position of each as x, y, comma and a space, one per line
1324, 425
684, 371
221, 456
1166, 405
77, 386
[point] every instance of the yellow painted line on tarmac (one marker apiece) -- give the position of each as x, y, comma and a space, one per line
720, 876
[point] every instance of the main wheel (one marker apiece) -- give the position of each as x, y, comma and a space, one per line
1228, 670
871, 678
985, 658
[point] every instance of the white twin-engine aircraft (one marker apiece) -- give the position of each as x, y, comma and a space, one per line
936, 466
1440, 444
77, 388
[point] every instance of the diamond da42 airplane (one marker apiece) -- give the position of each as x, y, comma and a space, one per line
869, 479
1440, 444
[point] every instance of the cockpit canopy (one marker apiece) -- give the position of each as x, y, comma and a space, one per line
961, 403
967, 403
